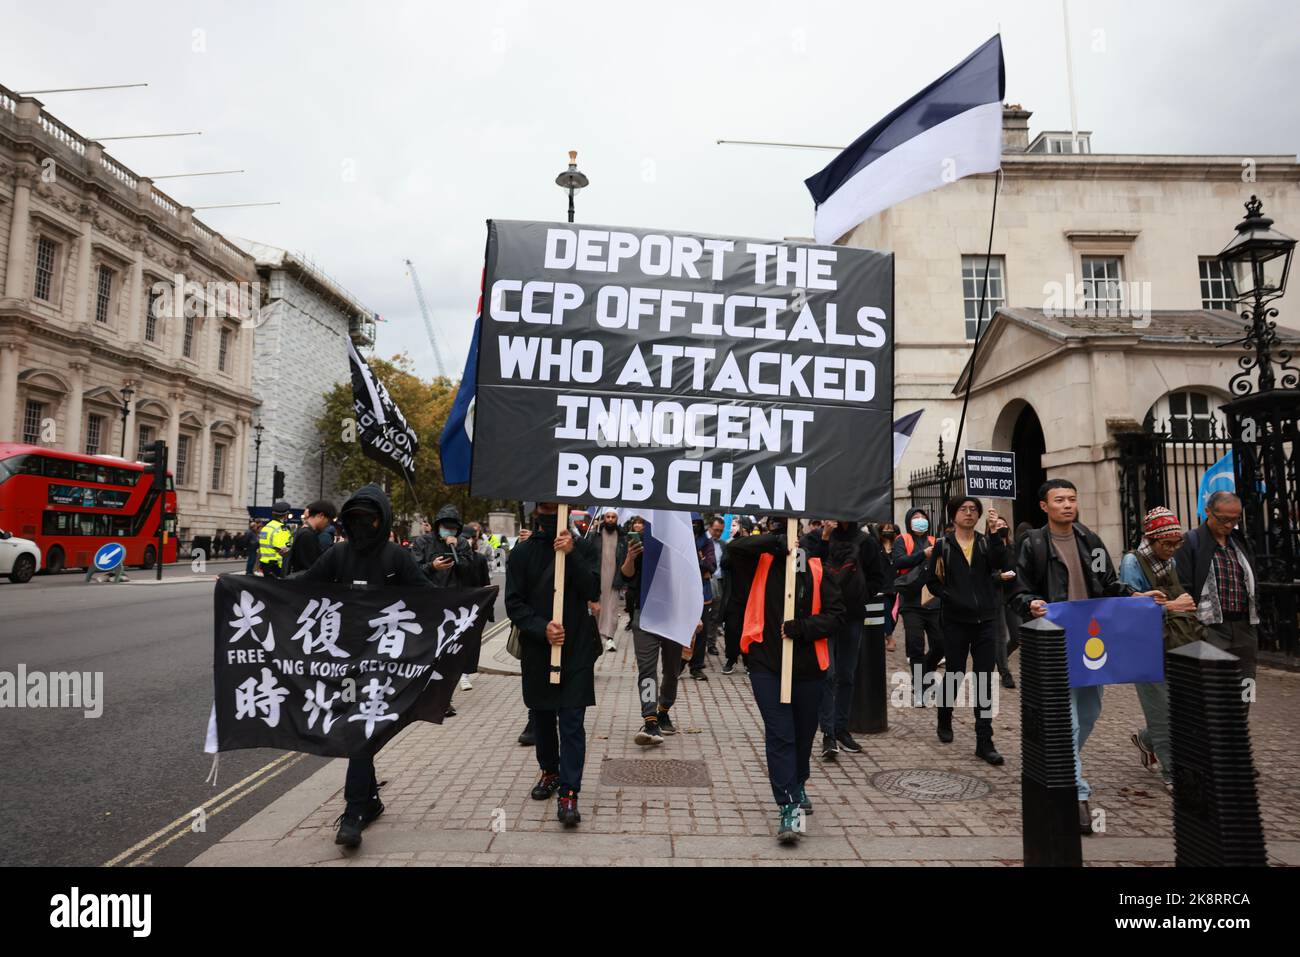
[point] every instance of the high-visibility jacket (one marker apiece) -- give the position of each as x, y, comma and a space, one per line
755, 611
273, 537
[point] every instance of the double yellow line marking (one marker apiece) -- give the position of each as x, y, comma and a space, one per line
144, 851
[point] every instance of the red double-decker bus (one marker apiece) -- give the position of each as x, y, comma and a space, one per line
72, 504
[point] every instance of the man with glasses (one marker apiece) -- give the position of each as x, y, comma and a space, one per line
1216, 565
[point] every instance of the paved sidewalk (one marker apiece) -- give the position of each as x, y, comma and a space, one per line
458, 793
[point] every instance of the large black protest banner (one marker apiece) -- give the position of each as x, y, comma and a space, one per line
385, 435
685, 372
336, 671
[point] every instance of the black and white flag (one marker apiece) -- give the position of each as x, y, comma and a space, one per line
384, 433
336, 671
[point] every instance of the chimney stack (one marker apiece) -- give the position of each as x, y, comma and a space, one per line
1015, 128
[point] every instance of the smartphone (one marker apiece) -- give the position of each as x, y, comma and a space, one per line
634, 537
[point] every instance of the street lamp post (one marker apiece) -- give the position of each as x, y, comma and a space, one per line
1264, 421
572, 180
257, 459
127, 393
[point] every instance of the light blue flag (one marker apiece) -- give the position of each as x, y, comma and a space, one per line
1219, 477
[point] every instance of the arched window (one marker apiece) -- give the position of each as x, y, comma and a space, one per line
1187, 414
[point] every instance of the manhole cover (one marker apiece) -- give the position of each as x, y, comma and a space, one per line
926, 784
668, 773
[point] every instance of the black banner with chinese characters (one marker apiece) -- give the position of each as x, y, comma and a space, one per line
655, 369
332, 670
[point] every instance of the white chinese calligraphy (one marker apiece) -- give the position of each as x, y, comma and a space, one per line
320, 703
374, 709
460, 620
326, 614
247, 614
252, 697
391, 629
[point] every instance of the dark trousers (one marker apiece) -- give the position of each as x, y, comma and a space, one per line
700, 643
838, 697
978, 641
360, 789
921, 626
272, 571
561, 744
1237, 638
789, 730
733, 623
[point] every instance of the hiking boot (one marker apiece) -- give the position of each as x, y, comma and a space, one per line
830, 748
944, 729
350, 826
666, 725
805, 805
546, 786
1007, 680
985, 750
649, 735
786, 830
566, 808
1149, 759
846, 743
728, 666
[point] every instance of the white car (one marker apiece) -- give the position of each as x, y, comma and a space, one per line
20, 559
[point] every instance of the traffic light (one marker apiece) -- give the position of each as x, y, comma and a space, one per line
154, 455
277, 484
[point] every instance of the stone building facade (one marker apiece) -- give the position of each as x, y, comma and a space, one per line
1085, 234
109, 283
299, 354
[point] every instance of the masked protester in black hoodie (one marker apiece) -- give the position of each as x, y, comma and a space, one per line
818, 613
912, 549
366, 559
966, 571
557, 711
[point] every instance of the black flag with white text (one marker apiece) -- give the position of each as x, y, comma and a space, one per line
384, 433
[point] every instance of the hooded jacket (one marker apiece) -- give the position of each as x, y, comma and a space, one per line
970, 592
465, 573
366, 559
903, 562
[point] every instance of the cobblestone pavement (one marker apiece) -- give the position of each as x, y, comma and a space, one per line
458, 793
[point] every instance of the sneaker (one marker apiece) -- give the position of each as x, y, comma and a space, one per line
609, 645
846, 743
728, 666
786, 832
350, 826
805, 804
829, 748
546, 785
699, 675
649, 735
713, 650
1149, 759
566, 809
465, 684
450, 712
666, 725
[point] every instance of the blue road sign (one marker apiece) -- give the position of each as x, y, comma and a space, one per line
110, 556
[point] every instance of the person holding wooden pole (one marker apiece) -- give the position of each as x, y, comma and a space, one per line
550, 579
791, 609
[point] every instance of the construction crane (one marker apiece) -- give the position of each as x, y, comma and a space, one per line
428, 320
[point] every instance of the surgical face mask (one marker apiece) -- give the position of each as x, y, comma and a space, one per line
920, 525
444, 531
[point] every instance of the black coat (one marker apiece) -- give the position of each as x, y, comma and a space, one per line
1046, 577
744, 554
304, 551
530, 591
385, 564
903, 562
1195, 558
968, 592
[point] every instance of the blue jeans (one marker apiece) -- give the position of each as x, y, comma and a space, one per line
789, 730
1085, 709
837, 699
561, 744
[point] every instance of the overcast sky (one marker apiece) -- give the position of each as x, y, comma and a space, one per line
390, 131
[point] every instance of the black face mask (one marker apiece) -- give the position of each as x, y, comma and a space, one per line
546, 524
363, 535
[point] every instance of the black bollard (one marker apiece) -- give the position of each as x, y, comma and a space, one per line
870, 711
1049, 804
1216, 806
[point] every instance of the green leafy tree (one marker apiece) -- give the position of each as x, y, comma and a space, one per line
426, 406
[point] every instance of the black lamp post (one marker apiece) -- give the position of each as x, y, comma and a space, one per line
127, 393
572, 180
1264, 421
257, 459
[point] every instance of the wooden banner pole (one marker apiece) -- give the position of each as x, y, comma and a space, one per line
557, 608
787, 644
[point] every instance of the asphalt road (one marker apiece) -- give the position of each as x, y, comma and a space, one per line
84, 791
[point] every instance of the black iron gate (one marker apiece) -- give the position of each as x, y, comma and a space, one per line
926, 489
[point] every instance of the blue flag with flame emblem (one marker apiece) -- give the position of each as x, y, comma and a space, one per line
1112, 641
